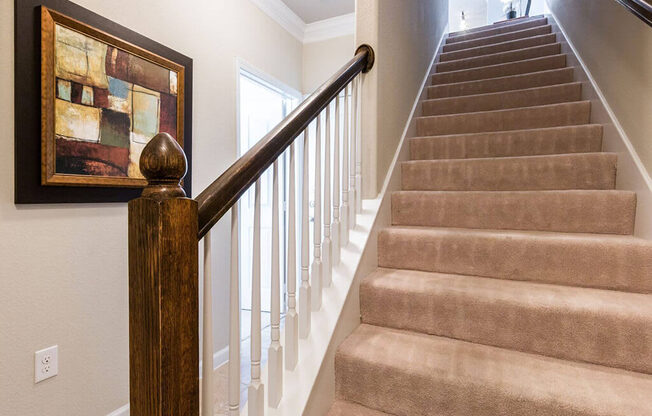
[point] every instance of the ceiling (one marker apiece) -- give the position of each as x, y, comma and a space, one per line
314, 10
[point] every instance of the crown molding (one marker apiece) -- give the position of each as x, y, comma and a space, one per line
284, 16
330, 28
307, 32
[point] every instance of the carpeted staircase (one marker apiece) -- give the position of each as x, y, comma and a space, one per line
509, 282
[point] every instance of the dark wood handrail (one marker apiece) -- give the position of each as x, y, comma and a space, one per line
224, 192
641, 8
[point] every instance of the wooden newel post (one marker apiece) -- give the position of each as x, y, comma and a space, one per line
163, 296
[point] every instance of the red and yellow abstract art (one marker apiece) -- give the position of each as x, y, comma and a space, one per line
103, 100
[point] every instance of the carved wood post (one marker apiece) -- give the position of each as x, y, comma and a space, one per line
163, 296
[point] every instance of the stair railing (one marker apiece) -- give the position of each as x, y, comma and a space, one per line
640, 8
165, 228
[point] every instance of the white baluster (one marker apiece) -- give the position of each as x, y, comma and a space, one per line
291, 317
275, 351
316, 270
256, 393
304, 291
358, 146
344, 210
326, 275
207, 325
234, 318
352, 156
335, 228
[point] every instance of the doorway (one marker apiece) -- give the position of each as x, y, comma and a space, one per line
262, 103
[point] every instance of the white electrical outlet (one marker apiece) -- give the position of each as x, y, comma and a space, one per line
46, 363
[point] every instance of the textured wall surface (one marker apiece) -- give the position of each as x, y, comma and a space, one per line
322, 59
404, 35
616, 47
63, 268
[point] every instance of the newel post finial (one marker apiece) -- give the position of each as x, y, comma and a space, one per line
164, 165
163, 278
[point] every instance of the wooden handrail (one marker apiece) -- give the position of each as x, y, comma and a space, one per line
641, 8
224, 192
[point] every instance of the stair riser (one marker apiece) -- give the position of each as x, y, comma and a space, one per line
502, 70
571, 114
581, 171
574, 139
537, 258
500, 101
575, 212
510, 83
498, 48
477, 312
366, 383
497, 31
500, 58
522, 34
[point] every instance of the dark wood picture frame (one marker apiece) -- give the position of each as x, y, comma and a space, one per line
35, 180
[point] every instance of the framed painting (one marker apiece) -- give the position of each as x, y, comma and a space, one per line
104, 92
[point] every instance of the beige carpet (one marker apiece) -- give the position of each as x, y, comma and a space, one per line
509, 281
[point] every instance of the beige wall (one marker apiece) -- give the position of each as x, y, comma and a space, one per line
404, 35
616, 47
63, 268
322, 59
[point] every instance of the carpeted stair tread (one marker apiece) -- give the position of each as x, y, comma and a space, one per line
510, 281
584, 138
520, 173
508, 83
406, 373
499, 47
499, 58
572, 259
491, 40
557, 321
495, 25
344, 408
551, 115
525, 66
493, 31
604, 212
529, 97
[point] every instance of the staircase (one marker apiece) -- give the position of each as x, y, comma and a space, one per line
509, 282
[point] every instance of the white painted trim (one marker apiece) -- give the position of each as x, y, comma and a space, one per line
334, 27
410, 126
307, 32
284, 16
267, 80
123, 411
630, 147
632, 174
348, 314
220, 357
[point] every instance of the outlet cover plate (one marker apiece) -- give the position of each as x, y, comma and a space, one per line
46, 363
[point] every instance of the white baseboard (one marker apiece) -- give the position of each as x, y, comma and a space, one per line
220, 358
123, 411
632, 174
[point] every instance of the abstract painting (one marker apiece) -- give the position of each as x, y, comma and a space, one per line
102, 100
